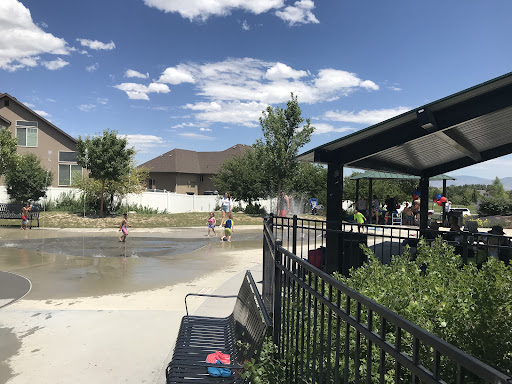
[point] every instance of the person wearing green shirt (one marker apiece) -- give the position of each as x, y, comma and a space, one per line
360, 219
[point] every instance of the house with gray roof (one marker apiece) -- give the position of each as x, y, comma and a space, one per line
55, 149
184, 171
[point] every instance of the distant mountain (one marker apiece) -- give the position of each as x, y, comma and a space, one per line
467, 180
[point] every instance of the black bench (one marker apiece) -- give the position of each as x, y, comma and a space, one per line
240, 335
13, 211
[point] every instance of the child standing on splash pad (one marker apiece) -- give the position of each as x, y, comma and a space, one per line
124, 228
229, 228
211, 224
24, 215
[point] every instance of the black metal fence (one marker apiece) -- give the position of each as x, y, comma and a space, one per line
300, 236
328, 333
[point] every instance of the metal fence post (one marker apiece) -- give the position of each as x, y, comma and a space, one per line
276, 332
294, 235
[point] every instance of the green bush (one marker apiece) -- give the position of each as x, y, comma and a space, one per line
491, 206
255, 209
266, 369
71, 202
467, 307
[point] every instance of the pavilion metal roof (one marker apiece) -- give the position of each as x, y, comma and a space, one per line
457, 131
376, 175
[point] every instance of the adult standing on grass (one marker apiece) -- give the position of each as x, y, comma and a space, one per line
227, 205
283, 205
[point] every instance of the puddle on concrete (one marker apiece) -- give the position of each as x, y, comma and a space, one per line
70, 266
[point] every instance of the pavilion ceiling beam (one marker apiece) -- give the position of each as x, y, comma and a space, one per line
457, 141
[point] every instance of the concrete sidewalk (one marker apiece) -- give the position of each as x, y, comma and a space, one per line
122, 337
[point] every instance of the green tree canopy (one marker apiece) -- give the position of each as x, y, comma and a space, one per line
497, 190
132, 182
27, 180
107, 157
309, 180
242, 176
283, 136
8, 155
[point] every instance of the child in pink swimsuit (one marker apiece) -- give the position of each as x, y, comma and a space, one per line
211, 224
124, 228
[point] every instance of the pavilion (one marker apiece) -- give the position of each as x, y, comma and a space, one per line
376, 175
460, 130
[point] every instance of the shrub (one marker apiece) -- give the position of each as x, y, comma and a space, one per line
491, 206
467, 307
255, 209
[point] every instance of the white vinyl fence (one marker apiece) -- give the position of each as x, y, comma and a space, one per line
174, 202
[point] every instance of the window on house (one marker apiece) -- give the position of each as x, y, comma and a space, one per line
69, 173
201, 178
68, 157
151, 183
26, 132
6, 102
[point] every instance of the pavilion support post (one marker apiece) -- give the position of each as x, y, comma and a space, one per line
369, 199
444, 204
424, 183
357, 192
333, 217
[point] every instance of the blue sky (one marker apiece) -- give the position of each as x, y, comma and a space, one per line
196, 74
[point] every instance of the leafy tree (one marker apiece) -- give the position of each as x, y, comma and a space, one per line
309, 180
497, 190
107, 157
8, 155
242, 176
27, 180
132, 182
283, 136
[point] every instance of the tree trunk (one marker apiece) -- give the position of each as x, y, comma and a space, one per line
102, 192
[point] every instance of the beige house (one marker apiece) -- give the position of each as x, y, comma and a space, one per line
54, 147
184, 171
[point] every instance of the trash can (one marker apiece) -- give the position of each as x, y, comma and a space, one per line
351, 255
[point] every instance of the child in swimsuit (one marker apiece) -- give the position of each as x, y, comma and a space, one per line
229, 228
124, 228
24, 216
211, 224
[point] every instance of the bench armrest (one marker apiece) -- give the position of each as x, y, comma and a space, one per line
205, 295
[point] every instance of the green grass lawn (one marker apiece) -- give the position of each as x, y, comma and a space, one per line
56, 219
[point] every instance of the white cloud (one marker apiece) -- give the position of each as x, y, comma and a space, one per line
234, 112
102, 100
55, 64
397, 89
132, 73
144, 143
93, 67
237, 90
245, 26
365, 117
202, 10
336, 80
87, 107
176, 76
196, 136
21, 40
43, 113
190, 124
205, 130
140, 92
282, 71
299, 13
29, 105
321, 128
96, 45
